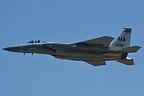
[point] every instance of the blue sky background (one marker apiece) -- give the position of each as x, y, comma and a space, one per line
68, 21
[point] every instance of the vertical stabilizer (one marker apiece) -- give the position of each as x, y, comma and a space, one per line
123, 40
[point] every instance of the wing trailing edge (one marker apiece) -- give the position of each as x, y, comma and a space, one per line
96, 63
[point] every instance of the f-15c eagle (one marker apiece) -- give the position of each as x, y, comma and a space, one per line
95, 51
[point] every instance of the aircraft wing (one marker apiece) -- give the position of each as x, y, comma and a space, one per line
96, 63
105, 40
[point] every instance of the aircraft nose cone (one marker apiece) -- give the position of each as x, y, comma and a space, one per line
12, 49
7, 49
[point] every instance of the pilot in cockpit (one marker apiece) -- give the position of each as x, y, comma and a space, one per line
38, 41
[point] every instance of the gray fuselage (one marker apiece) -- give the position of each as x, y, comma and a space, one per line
68, 51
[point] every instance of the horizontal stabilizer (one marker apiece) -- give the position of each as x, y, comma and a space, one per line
130, 49
105, 40
96, 63
127, 61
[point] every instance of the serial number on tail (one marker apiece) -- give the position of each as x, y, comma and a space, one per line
119, 44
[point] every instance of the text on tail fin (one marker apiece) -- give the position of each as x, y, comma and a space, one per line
123, 40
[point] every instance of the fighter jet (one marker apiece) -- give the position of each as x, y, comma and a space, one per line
95, 51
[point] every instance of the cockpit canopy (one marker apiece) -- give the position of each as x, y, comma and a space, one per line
35, 41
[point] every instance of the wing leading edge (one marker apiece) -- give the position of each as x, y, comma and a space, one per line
105, 41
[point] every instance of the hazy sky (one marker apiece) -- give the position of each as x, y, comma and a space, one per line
68, 21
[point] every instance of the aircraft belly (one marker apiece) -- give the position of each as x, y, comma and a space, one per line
112, 56
86, 56
77, 58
